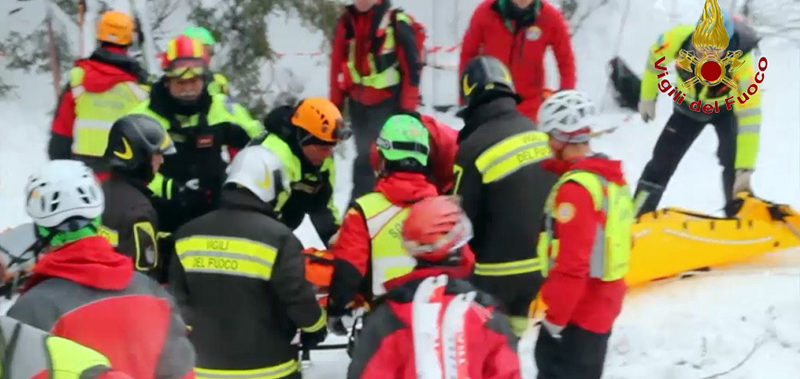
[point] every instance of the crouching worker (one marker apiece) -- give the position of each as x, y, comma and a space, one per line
585, 246
83, 290
241, 281
433, 311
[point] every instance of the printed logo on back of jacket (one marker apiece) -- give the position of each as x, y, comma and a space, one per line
709, 67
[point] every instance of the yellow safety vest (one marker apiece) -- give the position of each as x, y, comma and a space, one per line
294, 169
384, 223
384, 69
218, 84
32, 350
612, 247
96, 111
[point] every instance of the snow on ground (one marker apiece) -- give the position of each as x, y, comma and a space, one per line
696, 327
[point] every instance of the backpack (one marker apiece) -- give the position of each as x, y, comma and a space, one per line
419, 35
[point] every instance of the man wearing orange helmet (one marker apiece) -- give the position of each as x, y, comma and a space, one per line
101, 89
303, 136
433, 311
201, 126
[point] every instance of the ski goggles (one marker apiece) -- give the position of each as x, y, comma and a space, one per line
185, 72
341, 132
455, 239
401, 145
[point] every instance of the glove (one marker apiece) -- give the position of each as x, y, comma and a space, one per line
741, 183
553, 329
519, 324
190, 194
647, 108
336, 326
311, 339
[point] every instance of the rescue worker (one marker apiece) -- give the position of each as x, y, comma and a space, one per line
101, 89
136, 149
375, 70
518, 33
200, 124
303, 137
395, 341
241, 282
368, 250
585, 244
85, 291
217, 83
737, 130
498, 173
30, 353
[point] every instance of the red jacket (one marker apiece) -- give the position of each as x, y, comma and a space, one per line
352, 248
386, 345
571, 296
87, 292
522, 50
364, 31
99, 77
443, 143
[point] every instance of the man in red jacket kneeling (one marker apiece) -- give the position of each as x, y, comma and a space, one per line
585, 246
433, 321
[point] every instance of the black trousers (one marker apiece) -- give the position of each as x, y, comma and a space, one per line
676, 138
367, 122
580, 354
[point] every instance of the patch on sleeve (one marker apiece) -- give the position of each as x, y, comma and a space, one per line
565, 212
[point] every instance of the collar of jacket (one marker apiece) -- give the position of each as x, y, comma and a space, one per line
164, 104
484, 112
121, 61
404, 292
242, 199
137, 183
513, 24
378, 11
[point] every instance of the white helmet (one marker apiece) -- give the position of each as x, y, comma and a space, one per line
567, 116
61, 190
259, 170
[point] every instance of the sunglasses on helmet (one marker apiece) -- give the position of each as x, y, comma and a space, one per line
384, 143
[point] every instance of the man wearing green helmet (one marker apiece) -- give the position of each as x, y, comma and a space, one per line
369, 244
217, 83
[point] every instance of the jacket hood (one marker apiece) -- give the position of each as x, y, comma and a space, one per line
610, 169
461, 271
485, 110
405, 188
105, 69
90, 261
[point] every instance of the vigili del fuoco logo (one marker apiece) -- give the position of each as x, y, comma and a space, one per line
706, 62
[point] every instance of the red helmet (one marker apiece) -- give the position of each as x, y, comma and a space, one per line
436, 227
185, 57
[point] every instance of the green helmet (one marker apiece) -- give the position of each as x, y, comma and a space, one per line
201, 34
402, 137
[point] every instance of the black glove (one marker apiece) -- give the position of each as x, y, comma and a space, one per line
311, 339
190, 194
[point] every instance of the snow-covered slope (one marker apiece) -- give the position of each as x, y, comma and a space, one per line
691, 328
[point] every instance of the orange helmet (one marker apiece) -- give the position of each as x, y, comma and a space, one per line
185, 57
115, 27
321, 119
435, 228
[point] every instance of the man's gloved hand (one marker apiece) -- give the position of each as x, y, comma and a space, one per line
336, 326
647, 108
311, 339
742, 181
190, 193
519, 324
553, 329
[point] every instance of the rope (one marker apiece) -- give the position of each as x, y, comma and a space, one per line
616, 49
